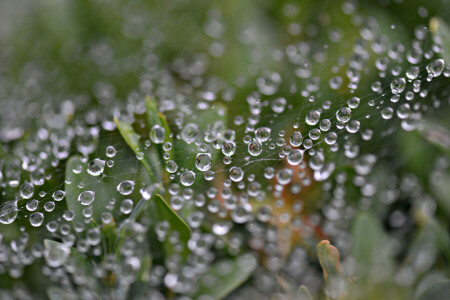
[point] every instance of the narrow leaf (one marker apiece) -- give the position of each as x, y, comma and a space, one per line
441, 30
437, 291
165, 213
225, 276
303, 293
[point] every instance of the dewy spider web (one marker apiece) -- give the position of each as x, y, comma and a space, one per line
276, 74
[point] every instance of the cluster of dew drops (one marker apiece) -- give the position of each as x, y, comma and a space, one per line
291, 159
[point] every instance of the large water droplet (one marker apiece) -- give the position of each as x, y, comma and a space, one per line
203, 161
126, 187
86, 197
96, 167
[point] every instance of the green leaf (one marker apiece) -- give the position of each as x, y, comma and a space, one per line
303, 293
150, 160
154, 117
164, 212
138, 210
55, 293
372, 258
76, 260
109, 235
335, 284
328, 258
225, 276
438, 291
437, 135
442, 31
78, 180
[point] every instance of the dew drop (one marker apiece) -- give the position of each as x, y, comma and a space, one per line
203, 161
126, 187
96, 167
86, 197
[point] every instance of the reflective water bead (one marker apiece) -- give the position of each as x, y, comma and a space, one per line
313, 117
255, 148
111, 151
203, 161
325, 125
126, 187
26, 190
96, 167
86, 197
236, 174
157, 134
36, 219
8, 212
187, 178
398, 85
296, 139
435, 67
344, 114
295, 157
262, 134
171, 166
126, 206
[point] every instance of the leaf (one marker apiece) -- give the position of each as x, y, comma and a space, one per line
55, 293
442, 31
78, 180
225, 276
154, 117
109, 235
335, 284
438, 291
213, 120
368, 236
437, 135
77, 260
303, 293
150, 160
328, 258
165, 213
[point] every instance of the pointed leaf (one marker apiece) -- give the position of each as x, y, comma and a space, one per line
225, 276
328, 258
442, 31
150, 160
165, 213
438, 291
303, 293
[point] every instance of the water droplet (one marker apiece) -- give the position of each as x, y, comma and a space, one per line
26, 190
187, 178
36, 219
344, 114
171, 166
296, 139
295, 157
435, 67
313, 117
157, 134
262, 134
111, 151
8, 212
56, 255
126, 187
398, 85
86, 197
255, 148
236, 174
96, 167
203, 161
126, 206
